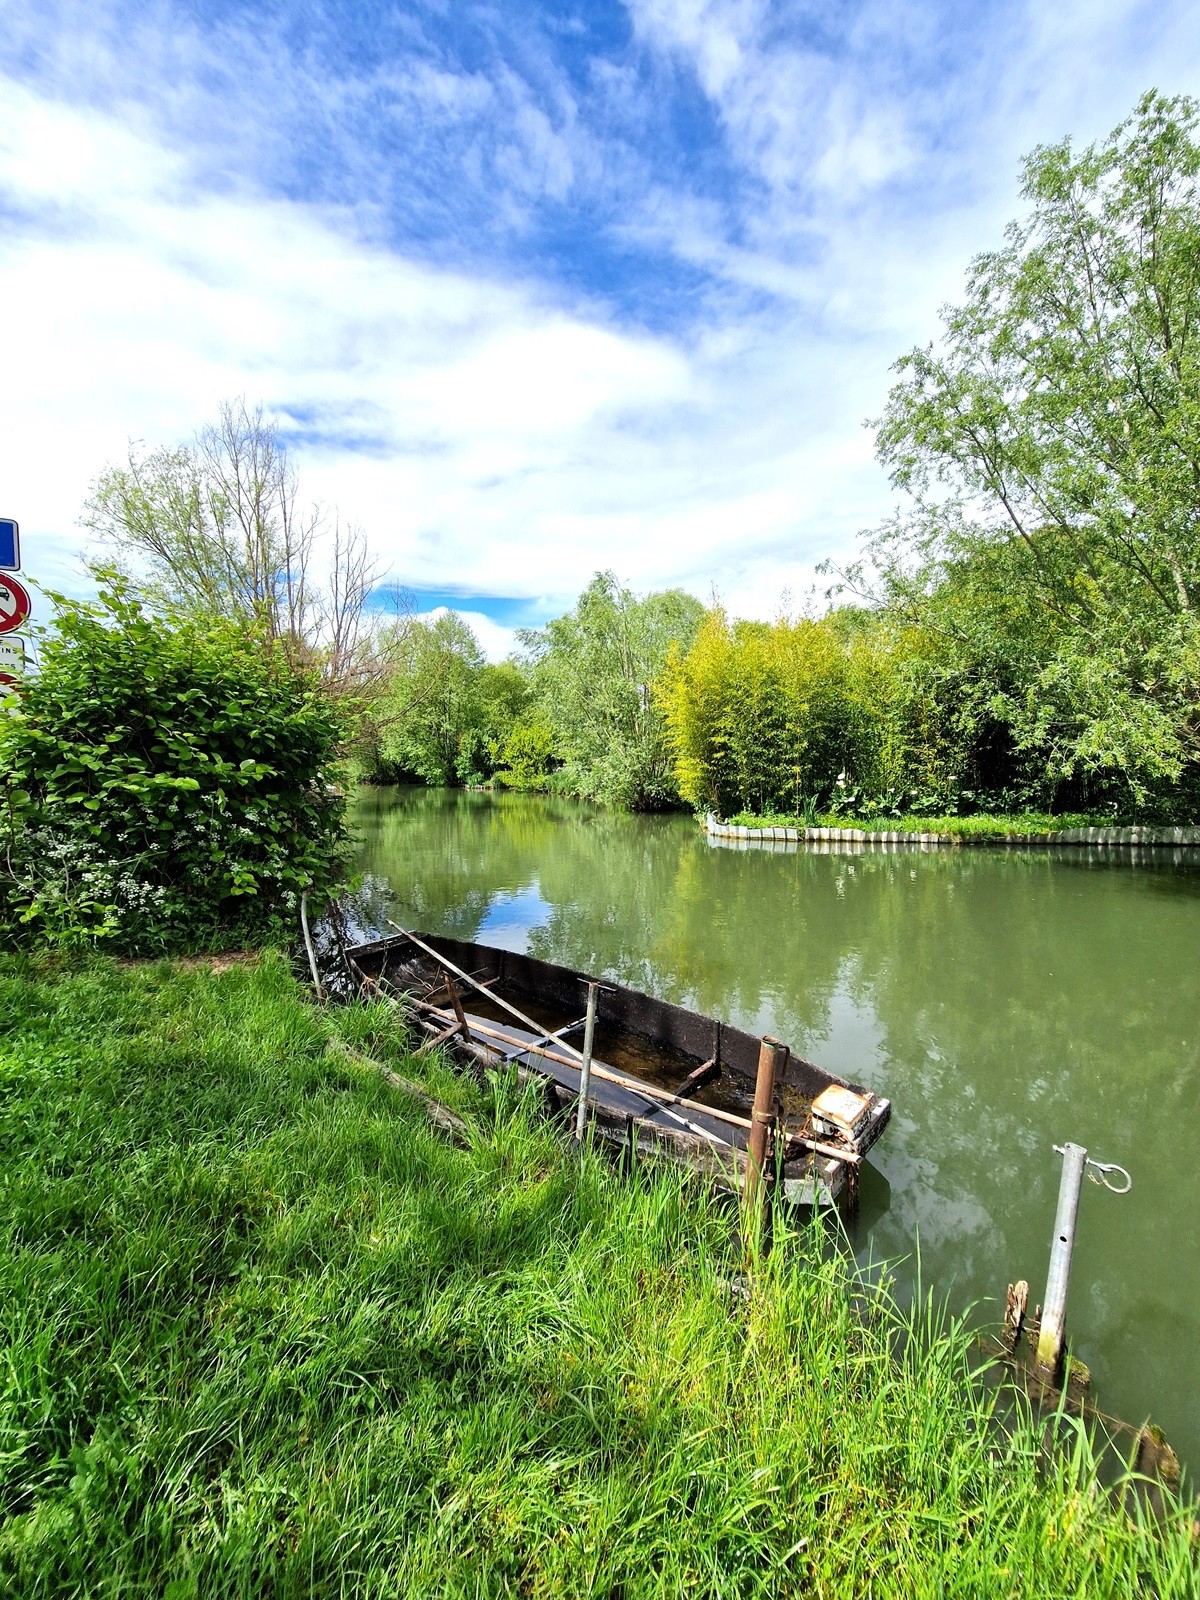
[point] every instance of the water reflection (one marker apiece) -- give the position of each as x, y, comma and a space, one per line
1004, 1001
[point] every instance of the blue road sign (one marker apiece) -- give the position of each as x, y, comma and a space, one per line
10, 545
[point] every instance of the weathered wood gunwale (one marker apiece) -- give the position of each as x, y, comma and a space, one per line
625, 1104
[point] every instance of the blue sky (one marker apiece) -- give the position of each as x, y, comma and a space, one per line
532, 289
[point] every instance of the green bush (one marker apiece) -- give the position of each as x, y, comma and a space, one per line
527, 756
164, 784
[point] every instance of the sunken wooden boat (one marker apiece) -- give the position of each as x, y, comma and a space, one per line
661, 1081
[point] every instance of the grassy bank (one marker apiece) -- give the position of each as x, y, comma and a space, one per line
266, 1334
986, 825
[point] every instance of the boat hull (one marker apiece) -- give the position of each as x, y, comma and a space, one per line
639, 1040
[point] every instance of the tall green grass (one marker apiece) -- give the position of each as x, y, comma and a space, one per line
265, 1334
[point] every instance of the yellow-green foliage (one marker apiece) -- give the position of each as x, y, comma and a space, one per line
767, 715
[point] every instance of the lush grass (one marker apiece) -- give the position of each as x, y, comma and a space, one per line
265, 1334
985, 825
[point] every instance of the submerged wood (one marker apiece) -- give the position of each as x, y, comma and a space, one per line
1144, 1448
1015, 1306
696, 1079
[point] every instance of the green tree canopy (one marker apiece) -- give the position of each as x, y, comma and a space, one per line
435, 696
1051, 443
594, 673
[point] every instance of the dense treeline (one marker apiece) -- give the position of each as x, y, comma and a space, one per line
574, 713
869, 713
655, 702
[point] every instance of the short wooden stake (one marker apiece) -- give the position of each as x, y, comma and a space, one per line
585, 1071
762, 1119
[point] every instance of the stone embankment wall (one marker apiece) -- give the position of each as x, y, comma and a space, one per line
1182, 840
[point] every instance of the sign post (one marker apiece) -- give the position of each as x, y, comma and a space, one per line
15, 607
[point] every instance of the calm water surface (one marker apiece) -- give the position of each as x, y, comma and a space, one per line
1005, 1002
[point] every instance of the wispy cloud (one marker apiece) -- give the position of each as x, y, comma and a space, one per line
531, 293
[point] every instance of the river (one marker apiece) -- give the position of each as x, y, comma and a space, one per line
1004, 1001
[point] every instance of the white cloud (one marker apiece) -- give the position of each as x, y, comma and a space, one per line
495, 641
796, 118
494, 435
513, 447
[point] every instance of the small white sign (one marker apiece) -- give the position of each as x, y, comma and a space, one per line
12, 654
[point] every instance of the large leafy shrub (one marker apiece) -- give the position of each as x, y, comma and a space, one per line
164, 783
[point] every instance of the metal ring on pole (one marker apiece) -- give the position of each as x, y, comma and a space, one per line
1104, 1168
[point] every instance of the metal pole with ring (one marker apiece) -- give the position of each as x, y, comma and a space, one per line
1052, 1335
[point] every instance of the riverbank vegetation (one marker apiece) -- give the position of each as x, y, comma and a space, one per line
574, 714
165, 784
268, 1334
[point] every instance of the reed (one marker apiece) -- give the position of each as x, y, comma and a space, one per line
266, 1333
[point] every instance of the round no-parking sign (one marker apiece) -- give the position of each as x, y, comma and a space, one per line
14, 603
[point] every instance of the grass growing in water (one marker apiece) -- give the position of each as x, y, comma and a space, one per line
266, 1334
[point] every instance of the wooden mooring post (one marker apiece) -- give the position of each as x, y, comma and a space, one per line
585, 1070
771, 1054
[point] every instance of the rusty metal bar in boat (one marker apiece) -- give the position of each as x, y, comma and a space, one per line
496, 999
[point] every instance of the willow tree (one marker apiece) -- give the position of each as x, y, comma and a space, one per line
594, 672
1051, 444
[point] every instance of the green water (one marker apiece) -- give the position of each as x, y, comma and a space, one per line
1005, 1002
